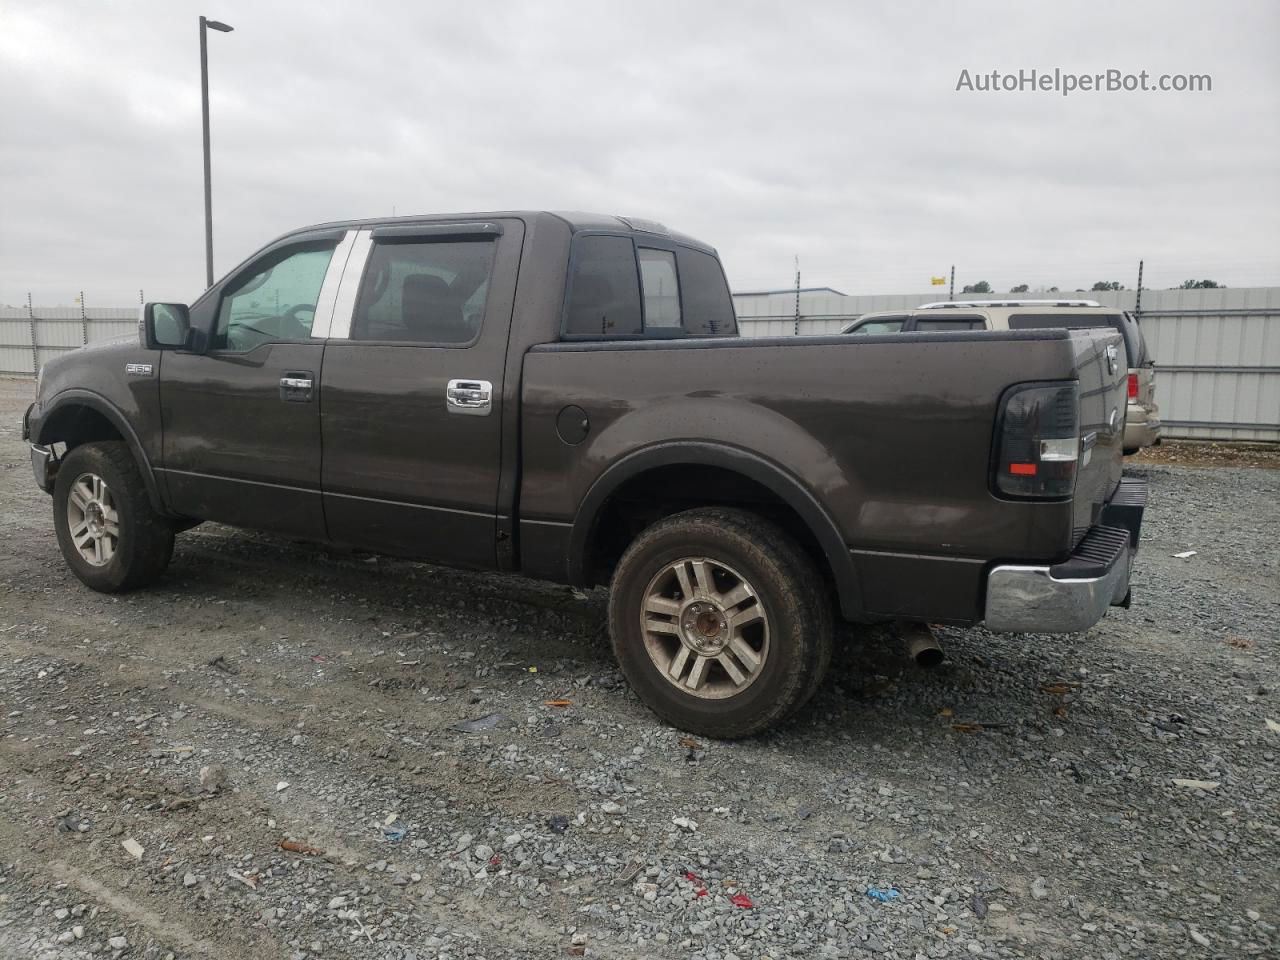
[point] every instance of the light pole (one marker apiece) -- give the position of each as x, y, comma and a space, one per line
205, 27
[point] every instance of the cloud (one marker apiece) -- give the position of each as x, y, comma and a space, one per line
823, 130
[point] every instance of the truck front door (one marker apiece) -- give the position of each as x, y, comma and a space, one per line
241, 420
411, 392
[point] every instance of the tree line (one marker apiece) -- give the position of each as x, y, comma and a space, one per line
983, 287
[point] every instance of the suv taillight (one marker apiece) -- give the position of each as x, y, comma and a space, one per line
1133, 386
1039, 440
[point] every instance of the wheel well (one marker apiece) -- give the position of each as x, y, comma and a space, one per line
662, 491
77, 424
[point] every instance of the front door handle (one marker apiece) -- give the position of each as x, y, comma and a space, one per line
296, 386
472, 398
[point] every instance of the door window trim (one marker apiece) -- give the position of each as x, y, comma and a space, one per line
344, 307
328, 298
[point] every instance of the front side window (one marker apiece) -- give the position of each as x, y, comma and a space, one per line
276, 301
881, 325
661, 288
604, 293
421, 291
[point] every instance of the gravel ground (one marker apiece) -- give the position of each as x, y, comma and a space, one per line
1209, 453
258, 758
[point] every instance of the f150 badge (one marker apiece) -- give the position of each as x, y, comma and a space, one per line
137, 369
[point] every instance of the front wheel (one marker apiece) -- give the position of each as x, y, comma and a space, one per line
720, 622
110, 536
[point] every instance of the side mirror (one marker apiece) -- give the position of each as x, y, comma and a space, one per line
166, 326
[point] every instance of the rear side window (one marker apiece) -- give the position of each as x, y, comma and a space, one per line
424, 292
1127, 329
708, 307
950, 324
604, 296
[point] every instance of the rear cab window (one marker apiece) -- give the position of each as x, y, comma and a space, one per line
623, 286
1122, 323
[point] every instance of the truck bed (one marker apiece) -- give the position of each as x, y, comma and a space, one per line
890, 437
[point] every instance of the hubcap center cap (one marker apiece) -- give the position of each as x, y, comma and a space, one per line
95, 517
704, 628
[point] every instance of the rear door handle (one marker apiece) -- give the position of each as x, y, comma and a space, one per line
296, 386
472, 398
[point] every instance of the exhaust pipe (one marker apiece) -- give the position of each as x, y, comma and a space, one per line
922, 646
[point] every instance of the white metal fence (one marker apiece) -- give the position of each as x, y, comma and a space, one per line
29, 337
1217, 352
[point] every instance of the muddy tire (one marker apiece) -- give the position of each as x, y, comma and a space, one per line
720, 621
109, 534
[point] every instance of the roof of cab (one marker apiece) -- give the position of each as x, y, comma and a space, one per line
575, 220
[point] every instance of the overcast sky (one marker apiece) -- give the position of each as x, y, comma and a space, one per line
829, 131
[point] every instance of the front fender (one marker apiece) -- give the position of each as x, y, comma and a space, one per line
43, 430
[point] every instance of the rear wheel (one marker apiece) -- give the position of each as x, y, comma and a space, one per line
109, 534
720, 622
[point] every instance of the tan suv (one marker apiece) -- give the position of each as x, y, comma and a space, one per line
1142, 416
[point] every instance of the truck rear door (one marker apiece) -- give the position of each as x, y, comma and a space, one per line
412, 388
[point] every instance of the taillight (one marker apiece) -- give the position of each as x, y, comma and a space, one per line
1039, 441
1133, 386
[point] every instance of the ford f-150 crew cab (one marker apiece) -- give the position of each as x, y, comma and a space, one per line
566, 396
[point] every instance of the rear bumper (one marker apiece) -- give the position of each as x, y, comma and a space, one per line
1073, 595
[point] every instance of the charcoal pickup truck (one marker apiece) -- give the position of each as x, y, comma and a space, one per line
566, 396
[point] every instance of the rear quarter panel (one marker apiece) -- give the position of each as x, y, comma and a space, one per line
891, 435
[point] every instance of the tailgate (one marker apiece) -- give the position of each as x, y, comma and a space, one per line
1099, 366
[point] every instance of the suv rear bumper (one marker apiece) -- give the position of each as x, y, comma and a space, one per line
1073, 595
1141, 433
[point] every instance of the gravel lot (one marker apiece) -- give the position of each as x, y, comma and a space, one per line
1023, 800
